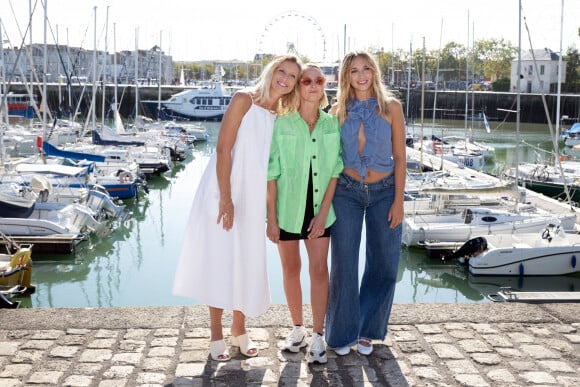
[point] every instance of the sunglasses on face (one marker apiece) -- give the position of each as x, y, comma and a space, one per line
308, 81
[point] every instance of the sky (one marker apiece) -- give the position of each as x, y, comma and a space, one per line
192, 30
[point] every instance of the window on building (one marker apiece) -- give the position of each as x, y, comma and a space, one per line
542, 67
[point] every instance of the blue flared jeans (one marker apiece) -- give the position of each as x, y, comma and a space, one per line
362, 312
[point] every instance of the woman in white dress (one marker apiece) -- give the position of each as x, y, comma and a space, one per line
223, 257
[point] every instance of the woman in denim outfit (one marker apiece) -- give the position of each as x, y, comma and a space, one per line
370, 190
304, 165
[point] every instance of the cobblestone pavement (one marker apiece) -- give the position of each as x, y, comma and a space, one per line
483, 344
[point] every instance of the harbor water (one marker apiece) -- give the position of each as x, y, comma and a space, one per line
135, 265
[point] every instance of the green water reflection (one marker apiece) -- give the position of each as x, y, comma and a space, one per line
135, 265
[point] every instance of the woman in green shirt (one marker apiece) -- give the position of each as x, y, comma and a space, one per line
303, 168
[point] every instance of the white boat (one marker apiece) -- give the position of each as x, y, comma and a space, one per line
477, 221
549, 179
208, 102
571, 136
189, 133
468, 158
550, 251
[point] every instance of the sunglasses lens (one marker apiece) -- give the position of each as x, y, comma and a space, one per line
308, 81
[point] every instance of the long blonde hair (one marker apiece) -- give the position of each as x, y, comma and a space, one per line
346, 94
262, 89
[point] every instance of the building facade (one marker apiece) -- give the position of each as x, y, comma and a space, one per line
539, 72
81, 65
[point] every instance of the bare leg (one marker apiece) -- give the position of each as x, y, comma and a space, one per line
215, 316
291, 265
318, 268
239, 328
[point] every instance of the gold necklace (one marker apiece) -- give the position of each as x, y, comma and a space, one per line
312, 124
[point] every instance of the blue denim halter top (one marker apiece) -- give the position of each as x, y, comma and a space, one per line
377, 153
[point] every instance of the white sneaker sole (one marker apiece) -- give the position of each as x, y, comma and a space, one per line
322, 359
295, 348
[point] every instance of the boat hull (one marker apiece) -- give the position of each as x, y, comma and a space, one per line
528, 261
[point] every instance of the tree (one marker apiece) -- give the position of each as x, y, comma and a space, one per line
496, 56
572, 82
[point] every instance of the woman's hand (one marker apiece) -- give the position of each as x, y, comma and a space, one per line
396, 213
226, 213
316, 227
273, 232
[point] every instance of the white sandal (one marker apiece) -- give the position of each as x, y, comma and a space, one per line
365, 346
219, 351
245, 344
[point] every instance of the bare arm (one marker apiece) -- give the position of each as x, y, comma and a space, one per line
272, 230
231, 121
397, 211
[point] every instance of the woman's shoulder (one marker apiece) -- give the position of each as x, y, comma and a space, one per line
241, 102
243, 96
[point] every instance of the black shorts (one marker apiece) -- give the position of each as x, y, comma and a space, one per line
308, 215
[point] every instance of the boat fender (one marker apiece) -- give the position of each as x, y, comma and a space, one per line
573, 262
521, 269
39, 142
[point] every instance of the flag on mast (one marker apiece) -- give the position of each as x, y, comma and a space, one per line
486, 123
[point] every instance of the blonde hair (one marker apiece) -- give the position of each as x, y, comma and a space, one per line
324, 99
346, 94
262, 90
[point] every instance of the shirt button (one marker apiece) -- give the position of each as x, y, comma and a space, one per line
316, 190
314, 156
313, 140
315, 174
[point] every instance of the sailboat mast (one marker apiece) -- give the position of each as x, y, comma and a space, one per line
159, 79
466, 79
104, 71
45, 70
94, 96
518, 99
136, 72
558, 128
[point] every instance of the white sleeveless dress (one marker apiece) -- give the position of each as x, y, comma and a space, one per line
227, 269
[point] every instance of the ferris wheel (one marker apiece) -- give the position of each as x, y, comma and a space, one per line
293, 32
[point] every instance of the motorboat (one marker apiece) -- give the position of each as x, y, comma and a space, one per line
549, 180
208, 102
16, 271
571, 136
550, 251
466, 157
471, 222
21, 105
16, 200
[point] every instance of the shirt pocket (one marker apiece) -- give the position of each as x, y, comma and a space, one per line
287, 152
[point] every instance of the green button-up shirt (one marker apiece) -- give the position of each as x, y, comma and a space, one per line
294, 149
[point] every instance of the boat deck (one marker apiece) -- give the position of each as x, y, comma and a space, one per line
50, 244
540, 201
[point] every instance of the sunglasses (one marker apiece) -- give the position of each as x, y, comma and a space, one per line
307, 81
